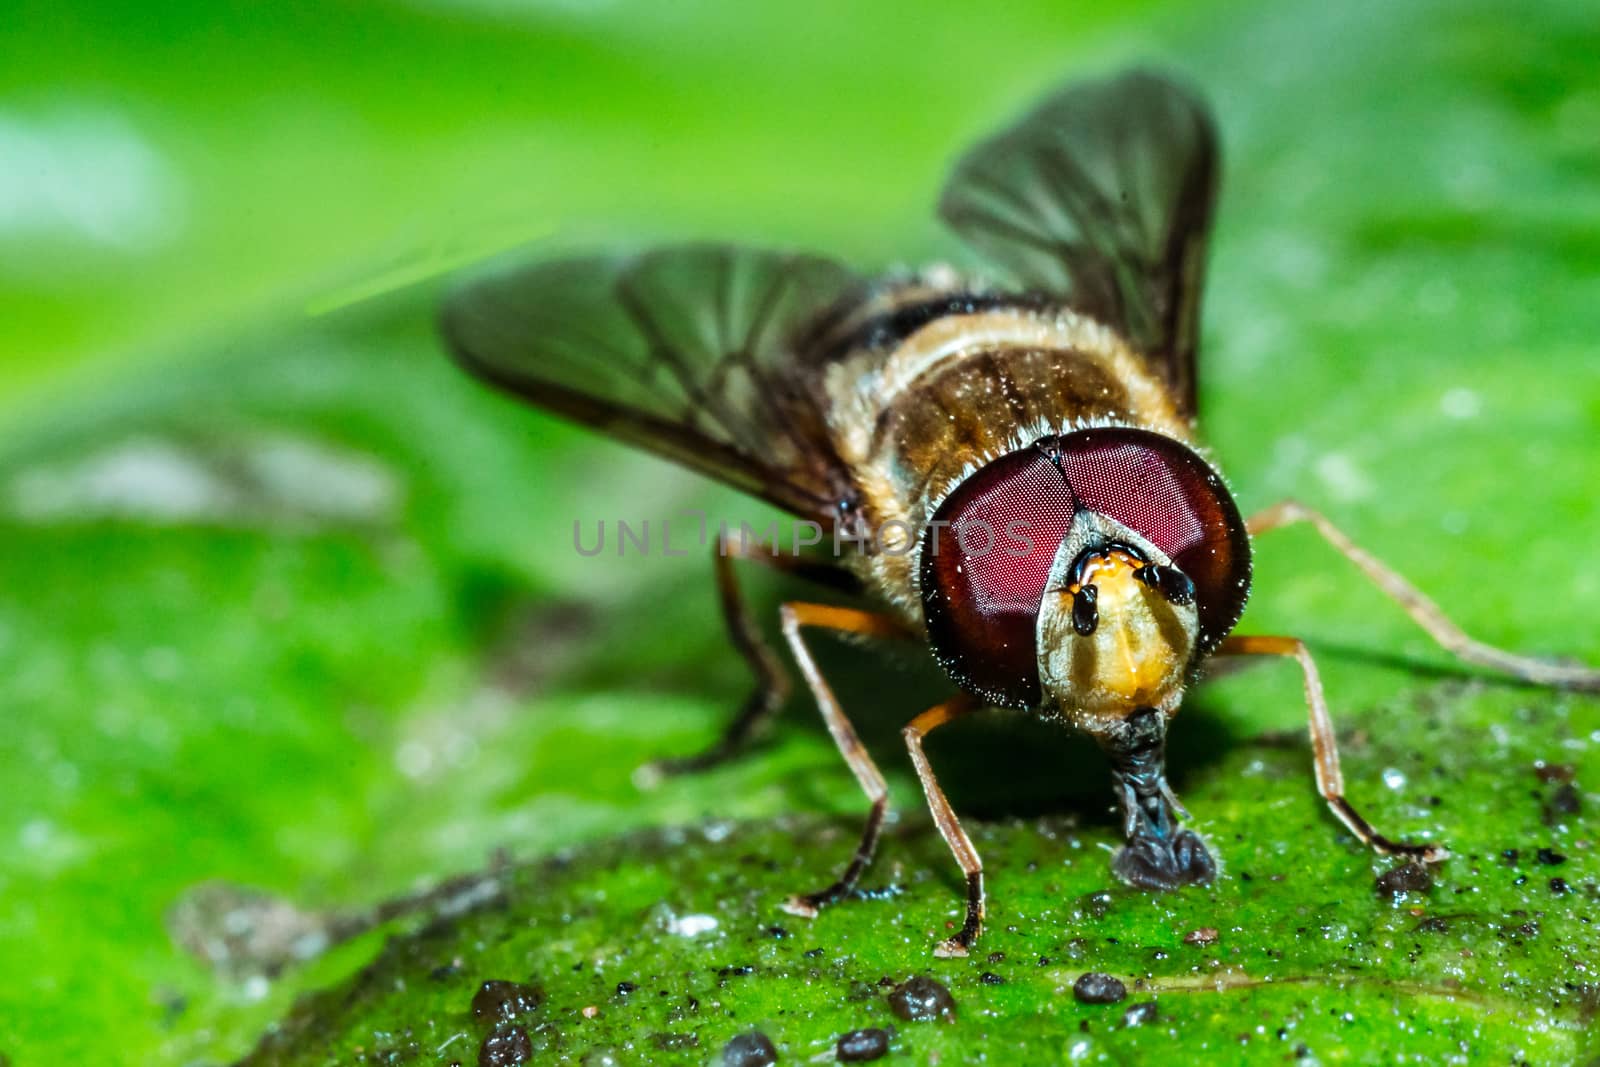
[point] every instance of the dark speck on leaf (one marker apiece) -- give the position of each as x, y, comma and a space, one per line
1559, 885
1092, 987
500, 1001
919, 999
507, 1046
1553, 772
990, 978
859, 1046
1566, 800
1511, 855
1205, 935
1140, 1013
1550, 857
1406, 878
670, 1042
738, 971
777, 933
624, 988
753, 1049
812, 953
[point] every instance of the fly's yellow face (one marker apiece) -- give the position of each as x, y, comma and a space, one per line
1117, 627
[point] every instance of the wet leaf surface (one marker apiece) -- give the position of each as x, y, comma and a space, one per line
1306, 959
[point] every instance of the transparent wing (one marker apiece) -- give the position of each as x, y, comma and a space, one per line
695, 352
1102, 196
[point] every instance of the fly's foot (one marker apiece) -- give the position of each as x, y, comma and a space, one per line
1420, 852
804, 906
1150, 862
648, 776
736, 740
959, 945
1425, 854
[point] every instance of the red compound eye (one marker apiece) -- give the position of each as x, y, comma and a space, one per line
984, 574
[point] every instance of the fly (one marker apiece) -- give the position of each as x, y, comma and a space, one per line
1066, 548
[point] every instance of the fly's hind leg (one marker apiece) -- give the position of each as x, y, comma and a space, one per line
1423, 611
796, 615
1325, 747
772, 684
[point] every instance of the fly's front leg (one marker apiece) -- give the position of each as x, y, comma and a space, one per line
772, 685
1325, 747
1423, 611
945, 817
796, 615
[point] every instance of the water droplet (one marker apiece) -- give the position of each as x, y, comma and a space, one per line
691, 925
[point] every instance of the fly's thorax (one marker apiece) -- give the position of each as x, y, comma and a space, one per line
1117, 627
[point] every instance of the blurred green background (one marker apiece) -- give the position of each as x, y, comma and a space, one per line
285, 601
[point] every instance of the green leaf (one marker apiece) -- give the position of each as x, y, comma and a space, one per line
297, 608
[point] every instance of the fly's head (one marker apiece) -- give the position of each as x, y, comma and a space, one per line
1086, 575
1118, 626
